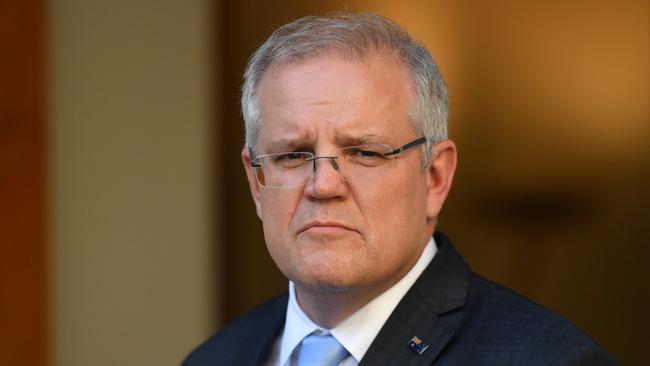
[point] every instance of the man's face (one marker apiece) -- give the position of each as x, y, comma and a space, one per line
333, 234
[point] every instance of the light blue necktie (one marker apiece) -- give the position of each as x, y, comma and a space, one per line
320, 350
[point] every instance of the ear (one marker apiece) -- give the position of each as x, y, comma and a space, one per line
440, 175
253, 185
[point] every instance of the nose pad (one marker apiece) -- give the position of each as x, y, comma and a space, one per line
333, 163
332, 160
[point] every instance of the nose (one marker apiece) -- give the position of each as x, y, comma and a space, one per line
326, 181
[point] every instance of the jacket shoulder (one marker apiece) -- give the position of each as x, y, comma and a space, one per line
249, 336
503, 325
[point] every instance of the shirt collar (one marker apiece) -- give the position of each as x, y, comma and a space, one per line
357, 332
296, 327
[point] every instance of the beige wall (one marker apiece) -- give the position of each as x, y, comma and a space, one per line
132, 223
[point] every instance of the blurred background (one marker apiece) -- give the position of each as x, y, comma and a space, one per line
127, 234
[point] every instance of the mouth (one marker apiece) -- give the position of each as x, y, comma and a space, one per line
324, 227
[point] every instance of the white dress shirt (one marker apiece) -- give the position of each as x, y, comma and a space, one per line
355, 333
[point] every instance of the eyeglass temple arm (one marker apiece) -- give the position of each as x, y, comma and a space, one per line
253, 163
419, 141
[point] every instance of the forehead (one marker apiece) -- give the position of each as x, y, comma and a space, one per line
331, 97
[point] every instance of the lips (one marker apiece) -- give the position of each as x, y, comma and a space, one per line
324, 226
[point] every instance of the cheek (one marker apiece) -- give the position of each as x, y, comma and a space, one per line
393, 199
278, 209
278, 206
397, 211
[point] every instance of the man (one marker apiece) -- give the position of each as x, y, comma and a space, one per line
349, 164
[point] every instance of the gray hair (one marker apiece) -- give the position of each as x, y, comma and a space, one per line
354, 36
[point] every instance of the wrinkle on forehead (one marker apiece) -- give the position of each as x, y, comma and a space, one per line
325, 101
360, 79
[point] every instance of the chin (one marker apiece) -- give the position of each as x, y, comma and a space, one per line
327, 277
326, 287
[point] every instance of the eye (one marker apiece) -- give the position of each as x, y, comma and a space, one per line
366, 155
294, 156
369, 154
366, 152
288, 156
289, 160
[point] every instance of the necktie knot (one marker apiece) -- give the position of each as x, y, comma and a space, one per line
320, 350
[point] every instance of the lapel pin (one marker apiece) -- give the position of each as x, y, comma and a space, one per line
417, 345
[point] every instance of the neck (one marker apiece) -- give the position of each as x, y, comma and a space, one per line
329, 308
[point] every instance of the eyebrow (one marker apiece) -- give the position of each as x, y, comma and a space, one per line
285, 144
348, 140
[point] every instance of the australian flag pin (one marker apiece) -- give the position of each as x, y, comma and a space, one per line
417, 345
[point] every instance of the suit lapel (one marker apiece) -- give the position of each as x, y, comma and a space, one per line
428, 311
255, 349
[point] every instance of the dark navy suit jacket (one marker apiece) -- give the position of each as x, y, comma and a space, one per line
463, 318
